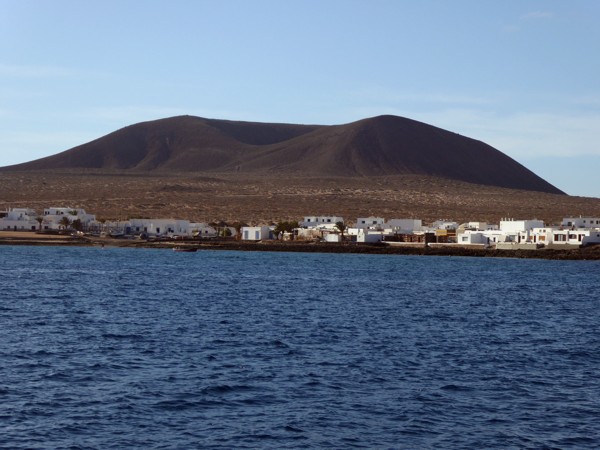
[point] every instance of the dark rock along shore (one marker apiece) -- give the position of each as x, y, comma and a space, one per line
585, 253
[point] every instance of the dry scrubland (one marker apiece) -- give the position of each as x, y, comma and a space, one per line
255, 199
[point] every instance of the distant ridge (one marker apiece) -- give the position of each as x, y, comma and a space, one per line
383, 145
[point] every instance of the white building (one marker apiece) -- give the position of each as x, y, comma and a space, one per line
520, 231
579, 236
403, 226
19, 219
515, 226
581, 222
158, 227
478, 226
370, 236
202, 230
469, 237
333, 237
54, 217
444, 225
256, 233
370, 222
320, 221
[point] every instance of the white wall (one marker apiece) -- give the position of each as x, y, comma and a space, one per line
404, 226
256, 233
515, 226
160, 226
369, 222
19, 219
581, 222
319, 221
371, 237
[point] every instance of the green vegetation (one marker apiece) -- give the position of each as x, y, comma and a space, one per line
285, 227
341, 228
65, 222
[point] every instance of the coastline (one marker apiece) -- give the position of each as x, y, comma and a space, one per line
35, 239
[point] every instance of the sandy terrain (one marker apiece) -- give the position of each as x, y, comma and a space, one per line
254, 199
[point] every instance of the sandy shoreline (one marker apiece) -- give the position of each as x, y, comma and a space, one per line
34, 239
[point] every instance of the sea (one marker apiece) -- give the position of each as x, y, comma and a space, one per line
119, 348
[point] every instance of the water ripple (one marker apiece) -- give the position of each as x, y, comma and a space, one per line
138, 349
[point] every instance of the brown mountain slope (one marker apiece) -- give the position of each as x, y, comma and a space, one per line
384, 145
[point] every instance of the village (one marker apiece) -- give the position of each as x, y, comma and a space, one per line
508, 234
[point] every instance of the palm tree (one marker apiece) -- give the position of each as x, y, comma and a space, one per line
286, 227
77, 225
341, 228
238, 228
65, 222
39, 220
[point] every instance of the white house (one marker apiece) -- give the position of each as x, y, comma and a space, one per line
53, 217
515, 226
158, 227
478, 226
320, 221
520, 231
369, 236
256, 233
403, 226
333, 237
487, 237
370, 222
19, 219
202, 230
581, 222
469, 237
579, 236
444, 225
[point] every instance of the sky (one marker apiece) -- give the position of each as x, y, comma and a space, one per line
520, 75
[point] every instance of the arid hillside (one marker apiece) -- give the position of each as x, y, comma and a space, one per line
258, 199
384, 146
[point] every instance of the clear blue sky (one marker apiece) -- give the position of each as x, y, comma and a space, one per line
523, 76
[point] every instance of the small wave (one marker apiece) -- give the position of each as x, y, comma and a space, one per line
259, 400
279, 344
57, 376
456, 388
225, 389
178, 405
133, 337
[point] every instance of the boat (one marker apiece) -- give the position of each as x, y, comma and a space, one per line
185, 249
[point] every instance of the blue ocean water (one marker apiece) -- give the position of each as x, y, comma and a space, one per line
138, 348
